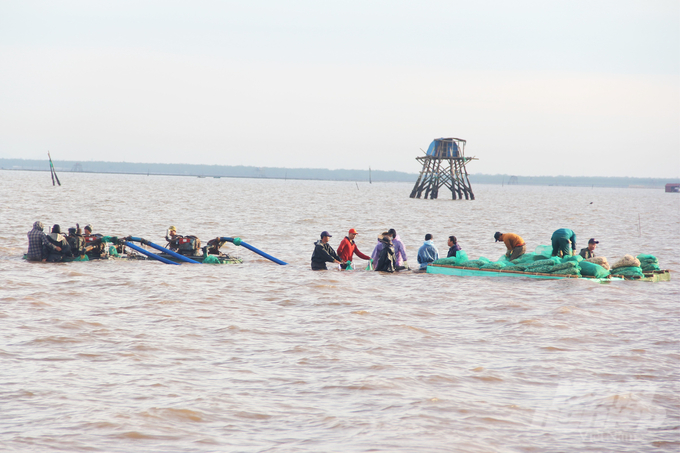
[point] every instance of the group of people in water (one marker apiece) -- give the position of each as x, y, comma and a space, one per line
55, 246
389, 254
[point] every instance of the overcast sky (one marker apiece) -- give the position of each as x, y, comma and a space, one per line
535, 87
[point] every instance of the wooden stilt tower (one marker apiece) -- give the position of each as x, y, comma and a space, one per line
444, 165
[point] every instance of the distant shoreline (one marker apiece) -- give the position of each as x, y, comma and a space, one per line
315, 174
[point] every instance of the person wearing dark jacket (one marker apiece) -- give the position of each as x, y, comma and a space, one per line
59, 242
76, 242
93, 242
323, 253
39, 247
453, 246
386, 260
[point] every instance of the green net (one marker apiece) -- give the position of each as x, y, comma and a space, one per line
543, 250
648, 263
81, 258
113, 251
496, 265
593, 270
212, 259
349, 266
631, 271
541, 262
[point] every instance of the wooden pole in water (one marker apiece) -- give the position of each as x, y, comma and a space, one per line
54, 173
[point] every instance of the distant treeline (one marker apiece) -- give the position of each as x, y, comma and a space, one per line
315, 173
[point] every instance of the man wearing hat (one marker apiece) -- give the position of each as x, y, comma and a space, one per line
323, 253
347, 249
173, 239
514, 244
589, 252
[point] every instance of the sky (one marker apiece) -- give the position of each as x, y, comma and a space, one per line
577, 88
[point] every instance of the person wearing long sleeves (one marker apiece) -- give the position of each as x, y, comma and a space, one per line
514, 244
323, 253
38, 245
399, 250
427, 252
453, 247
348, 248
375, 255
560, 242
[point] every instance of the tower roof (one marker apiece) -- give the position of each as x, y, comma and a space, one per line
446, 147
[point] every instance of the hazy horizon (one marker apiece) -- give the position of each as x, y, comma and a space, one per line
263, 174
537, 89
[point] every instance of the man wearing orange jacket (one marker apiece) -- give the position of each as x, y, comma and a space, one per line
347, 249
514, 243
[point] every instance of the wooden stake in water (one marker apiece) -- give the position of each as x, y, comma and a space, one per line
639, 226
52, 171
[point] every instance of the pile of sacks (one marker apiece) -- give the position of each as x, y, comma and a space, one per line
628, 266
648, 263
540, 262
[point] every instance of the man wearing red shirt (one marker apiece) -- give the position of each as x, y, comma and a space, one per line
348, 248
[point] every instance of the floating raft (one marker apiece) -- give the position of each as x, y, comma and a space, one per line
447, 269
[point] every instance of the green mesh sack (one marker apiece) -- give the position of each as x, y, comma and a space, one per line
567, 265
647, 259
575, 258
543, 250
81, 258
495, 265
370, 266
515, 267
631, 271
526, 258
649, 267
543, 262
568, 271
349, 266
474, 263
212, 259
593, 270
539, 269
113, 251
451, 261
461, 257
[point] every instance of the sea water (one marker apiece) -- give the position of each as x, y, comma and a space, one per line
120, 356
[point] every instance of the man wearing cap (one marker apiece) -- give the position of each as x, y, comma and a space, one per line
514, 244
173, 239
589, 252
347, 249
323, 253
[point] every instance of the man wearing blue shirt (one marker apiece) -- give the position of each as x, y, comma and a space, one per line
427, 252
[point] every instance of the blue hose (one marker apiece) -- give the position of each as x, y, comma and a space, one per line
238, 241
149, 254
163, 249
